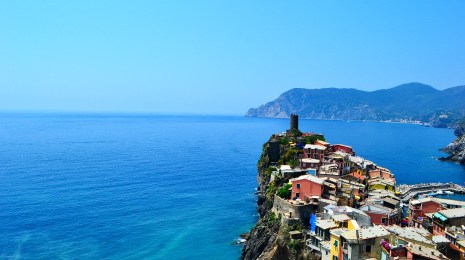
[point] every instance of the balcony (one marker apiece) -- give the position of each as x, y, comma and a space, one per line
312, 246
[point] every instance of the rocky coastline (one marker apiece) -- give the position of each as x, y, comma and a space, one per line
267, 240
456, 149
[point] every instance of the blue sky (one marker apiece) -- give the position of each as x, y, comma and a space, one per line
218, 57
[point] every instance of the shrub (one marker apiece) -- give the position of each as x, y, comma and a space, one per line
284, 192
293, 163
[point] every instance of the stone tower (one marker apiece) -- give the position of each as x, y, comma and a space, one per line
294, 122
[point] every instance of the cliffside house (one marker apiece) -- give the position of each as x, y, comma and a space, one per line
448, 217
404, 235
314, 151
329, 170
323, 226
410, 251
363, 244
342, 148
338, 160
382, 215
309, 163
456, 236
307, 187
419, 208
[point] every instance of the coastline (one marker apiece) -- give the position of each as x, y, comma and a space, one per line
370, 121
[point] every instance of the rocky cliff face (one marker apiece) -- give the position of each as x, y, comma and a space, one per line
264, 236
269, 239
456, 150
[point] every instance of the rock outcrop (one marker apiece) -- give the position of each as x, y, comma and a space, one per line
263, 236
269, 239
456, 151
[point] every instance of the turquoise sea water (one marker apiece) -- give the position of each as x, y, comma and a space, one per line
163, 187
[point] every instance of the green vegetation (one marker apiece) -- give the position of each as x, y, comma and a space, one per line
313, 138
290, 154
283, 141
294, 246
293, 163
284, 192
270, 170
272, 218
296, 132
271, 190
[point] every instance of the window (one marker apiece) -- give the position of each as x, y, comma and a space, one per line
368, 249
297, 195
298, 185
335, 243
383, 220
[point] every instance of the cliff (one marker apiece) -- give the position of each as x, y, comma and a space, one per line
456, 149
269, 239
264, 236
407, 102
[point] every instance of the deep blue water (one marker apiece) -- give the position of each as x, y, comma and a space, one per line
163, 187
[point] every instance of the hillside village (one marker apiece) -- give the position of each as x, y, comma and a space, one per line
330, 203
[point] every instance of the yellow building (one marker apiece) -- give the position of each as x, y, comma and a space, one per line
335, 243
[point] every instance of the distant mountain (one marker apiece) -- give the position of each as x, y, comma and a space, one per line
408, 102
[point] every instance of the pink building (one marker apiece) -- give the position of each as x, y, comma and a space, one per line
306, 187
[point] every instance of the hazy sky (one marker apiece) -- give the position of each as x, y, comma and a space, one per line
218, 57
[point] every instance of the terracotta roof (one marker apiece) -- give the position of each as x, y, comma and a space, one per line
358, 175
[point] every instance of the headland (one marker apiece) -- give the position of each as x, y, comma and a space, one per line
318, 200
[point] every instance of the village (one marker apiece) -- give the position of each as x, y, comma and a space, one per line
347, 207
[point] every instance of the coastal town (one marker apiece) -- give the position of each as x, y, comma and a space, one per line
331, 204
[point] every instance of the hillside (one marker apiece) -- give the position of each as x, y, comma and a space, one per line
407, 102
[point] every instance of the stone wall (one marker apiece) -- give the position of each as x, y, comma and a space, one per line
290, 214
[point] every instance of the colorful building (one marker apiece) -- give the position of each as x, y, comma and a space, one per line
363, 244
314, 151
382, 215
335, 252
447, 218
342, 148
307, 187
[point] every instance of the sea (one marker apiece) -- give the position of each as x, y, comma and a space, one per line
141, 186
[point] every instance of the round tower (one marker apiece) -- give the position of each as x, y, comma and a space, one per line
294, 122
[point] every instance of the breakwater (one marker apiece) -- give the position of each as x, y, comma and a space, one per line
408, 192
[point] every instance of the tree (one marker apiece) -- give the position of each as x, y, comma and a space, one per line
284, 191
